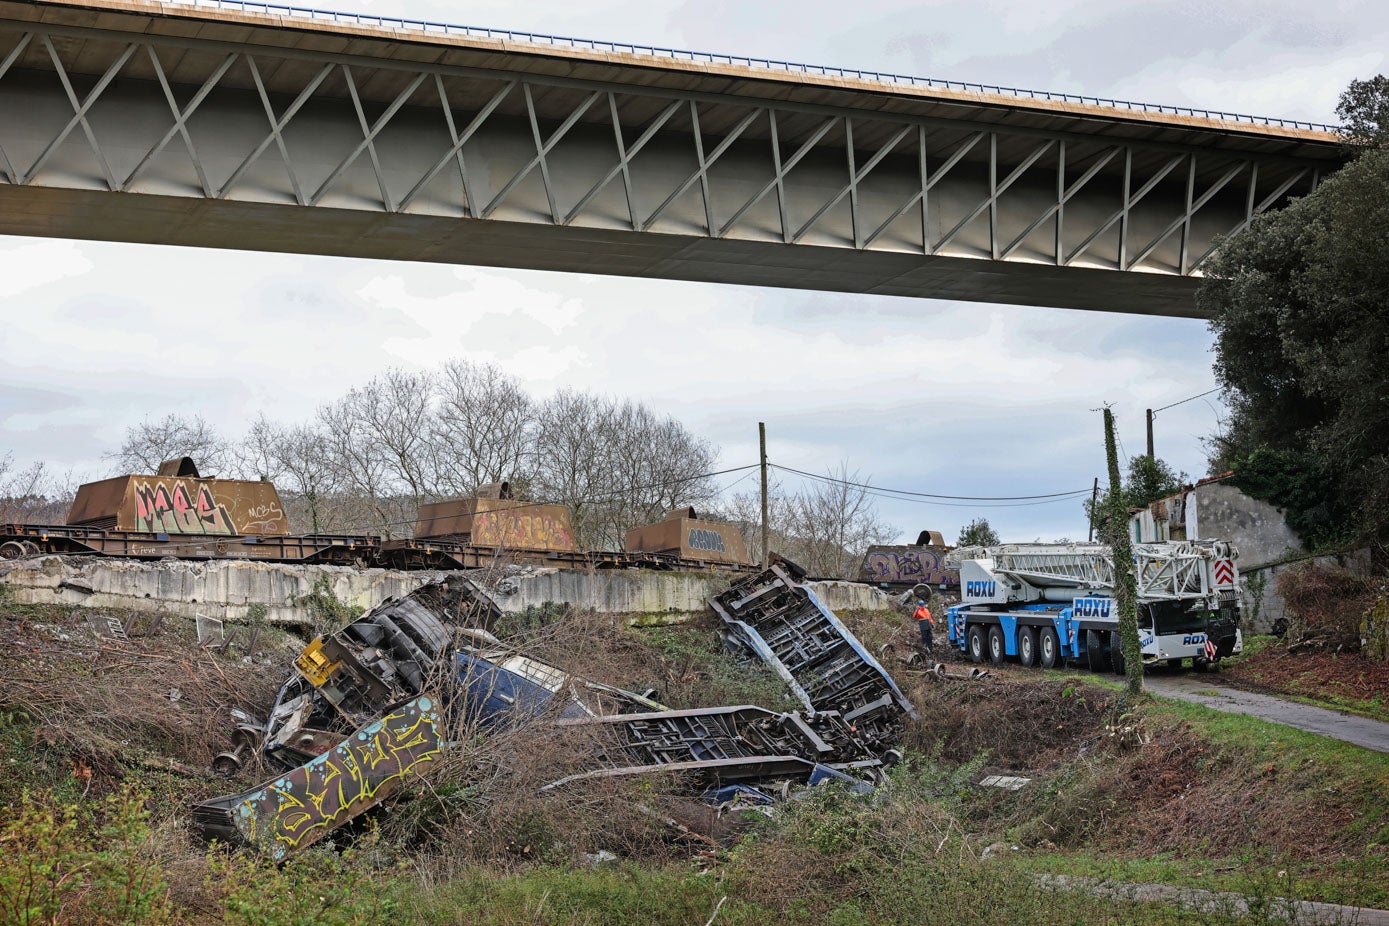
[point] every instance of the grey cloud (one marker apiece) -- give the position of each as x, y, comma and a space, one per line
18, 399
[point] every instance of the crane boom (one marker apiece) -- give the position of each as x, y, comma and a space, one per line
1165, 571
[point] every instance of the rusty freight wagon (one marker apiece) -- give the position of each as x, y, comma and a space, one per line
688, 537
493, 519
176, 500
909, 565
177, 512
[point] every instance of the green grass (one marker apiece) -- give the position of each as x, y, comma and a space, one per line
1374, 709
1288, 757
1277, 743
1353, 881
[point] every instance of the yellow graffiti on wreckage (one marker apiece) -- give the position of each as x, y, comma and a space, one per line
314, 799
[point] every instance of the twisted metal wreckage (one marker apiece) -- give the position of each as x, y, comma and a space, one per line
372, 705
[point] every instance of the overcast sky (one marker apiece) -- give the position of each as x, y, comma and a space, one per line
934, 396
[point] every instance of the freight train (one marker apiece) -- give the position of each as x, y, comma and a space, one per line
178, 513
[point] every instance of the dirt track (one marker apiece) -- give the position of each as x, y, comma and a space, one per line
1361, 731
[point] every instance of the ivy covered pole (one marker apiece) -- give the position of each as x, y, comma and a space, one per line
1115, 525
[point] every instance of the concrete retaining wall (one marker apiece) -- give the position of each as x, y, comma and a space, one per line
226, 589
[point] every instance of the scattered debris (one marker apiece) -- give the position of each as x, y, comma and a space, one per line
209, 629
372, 705
772, 616
1006, 782
107, 626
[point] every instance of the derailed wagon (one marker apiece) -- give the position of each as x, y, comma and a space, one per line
370, 707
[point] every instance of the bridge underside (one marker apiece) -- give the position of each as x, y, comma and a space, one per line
131, 128
150, 219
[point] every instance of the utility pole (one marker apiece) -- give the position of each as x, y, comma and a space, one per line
1094, 514
762, 442
1151, 456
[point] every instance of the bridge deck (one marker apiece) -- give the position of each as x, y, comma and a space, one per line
610, 161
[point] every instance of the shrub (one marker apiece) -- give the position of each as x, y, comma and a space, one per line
1326, 603
86, 865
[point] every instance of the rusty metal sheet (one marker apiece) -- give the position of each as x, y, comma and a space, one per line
690, 538
908, 565
178, 466
304, 805
181, 505
501, 523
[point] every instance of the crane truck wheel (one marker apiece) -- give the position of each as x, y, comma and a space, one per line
996, 650
1095, 656
975, 639
1027, 646
1050, 648
1116, 654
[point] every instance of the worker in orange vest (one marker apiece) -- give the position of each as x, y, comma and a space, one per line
924, 622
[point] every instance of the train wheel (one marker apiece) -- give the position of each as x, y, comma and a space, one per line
1050, 648
1095, 656
975, 639
996, 650
1027, 646
11, 549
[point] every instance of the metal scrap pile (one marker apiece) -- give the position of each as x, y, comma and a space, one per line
373, 704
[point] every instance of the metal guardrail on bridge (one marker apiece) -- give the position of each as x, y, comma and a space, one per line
769, 64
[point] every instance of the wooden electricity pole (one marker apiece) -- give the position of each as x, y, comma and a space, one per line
762, 442
1094, 508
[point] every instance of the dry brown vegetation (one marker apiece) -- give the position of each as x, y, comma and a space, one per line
93, 718
156, 699
1342, 679
1326, 605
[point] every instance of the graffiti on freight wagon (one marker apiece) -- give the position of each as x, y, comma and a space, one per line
178, 506
707, 540
314, 799
906, 565
521, 531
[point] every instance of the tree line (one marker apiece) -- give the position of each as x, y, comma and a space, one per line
1299, 304
363, 462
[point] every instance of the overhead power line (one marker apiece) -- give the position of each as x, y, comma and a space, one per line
1188, 399
907, 492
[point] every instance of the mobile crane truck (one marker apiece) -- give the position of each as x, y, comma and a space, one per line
1046, 604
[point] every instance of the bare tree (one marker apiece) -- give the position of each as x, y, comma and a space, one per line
833, 522
256, 456
355, 467
482, 427
745, 510
616, 465
314, 488
568, 459
150, 443
32, 495
395, 411
653, 464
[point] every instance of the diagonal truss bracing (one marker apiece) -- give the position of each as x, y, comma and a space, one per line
399, 136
